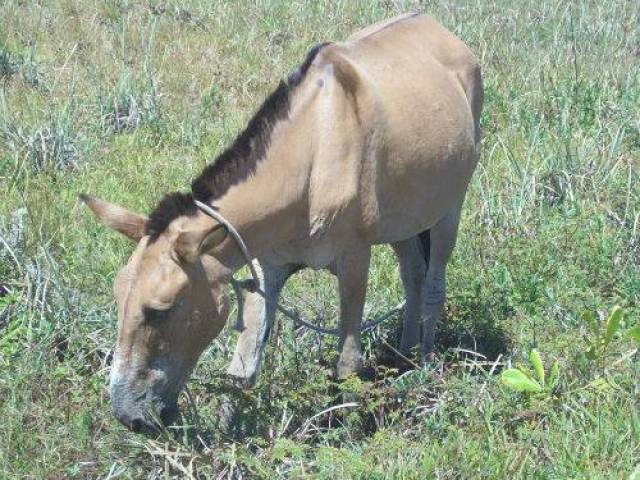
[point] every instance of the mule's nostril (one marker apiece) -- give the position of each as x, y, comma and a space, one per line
109, 358
136, 425
169, 413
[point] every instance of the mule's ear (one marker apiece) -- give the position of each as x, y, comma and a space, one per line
117, 218
190, 244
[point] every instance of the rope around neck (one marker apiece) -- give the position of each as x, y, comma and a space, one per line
236, 236
254, 284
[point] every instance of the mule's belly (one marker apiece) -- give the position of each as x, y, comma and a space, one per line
401, 193
407, 204
411, 202
316, 255
422, 174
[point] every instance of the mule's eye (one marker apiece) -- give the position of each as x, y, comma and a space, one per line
155, 316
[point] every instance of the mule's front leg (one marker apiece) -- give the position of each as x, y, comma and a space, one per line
352, 271
259, 310
254, 331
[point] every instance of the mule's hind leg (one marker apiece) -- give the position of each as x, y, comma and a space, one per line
413, 268
441, 240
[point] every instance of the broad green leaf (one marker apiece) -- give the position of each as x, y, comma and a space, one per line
634, 333
518, 380
536, 361
613, 323
553, 374
592, 322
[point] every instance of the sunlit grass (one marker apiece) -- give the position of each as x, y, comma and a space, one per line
128, 100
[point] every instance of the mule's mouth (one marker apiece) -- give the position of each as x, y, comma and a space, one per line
148, 421
140, 410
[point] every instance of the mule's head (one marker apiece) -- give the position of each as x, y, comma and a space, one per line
170, 307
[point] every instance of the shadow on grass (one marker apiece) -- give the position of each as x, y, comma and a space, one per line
470, 322
470, 326
475, 324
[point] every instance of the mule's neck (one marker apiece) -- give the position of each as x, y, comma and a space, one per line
270, 207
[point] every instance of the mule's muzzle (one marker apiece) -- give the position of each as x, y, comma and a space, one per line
140, 412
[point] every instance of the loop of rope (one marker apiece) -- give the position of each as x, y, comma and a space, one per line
292, 315
234, 233
254, 285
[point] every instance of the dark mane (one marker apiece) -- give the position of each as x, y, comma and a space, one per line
238, 161
172, 206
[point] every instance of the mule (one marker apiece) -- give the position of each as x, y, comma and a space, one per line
372, 140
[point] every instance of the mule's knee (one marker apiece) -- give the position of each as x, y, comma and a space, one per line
259, 310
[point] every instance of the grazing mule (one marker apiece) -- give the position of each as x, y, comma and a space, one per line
372, 140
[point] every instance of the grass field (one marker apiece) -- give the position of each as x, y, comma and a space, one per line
128, 100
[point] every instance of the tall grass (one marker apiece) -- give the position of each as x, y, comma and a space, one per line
128, 100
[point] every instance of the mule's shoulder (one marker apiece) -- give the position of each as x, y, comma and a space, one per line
334, 60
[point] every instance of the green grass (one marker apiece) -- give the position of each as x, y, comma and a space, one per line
551, 228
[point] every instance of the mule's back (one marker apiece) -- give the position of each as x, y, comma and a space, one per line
414, 34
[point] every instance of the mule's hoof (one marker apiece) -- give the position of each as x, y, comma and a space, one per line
350, 397
428, 359
347, 366
229, 418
